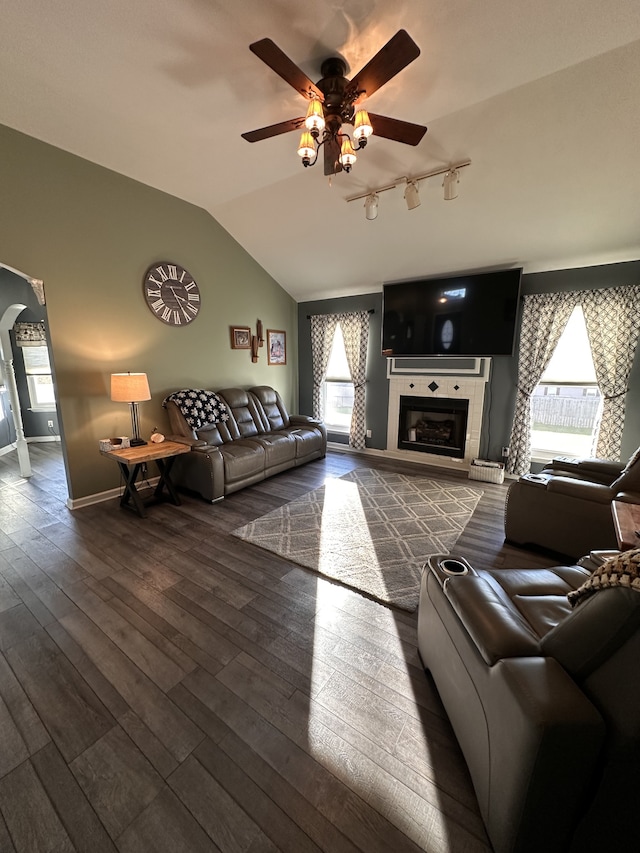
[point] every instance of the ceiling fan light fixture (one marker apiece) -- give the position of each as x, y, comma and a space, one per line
306, 148
450, 183
314, 121
347, 154
411, 195
362, 128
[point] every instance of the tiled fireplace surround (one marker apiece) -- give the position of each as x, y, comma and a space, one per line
456, 378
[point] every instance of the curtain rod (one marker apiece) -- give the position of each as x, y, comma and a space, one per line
370, 311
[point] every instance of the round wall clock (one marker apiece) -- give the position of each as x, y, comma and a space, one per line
171, 293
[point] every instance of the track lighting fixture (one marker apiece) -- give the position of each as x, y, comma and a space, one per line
411, 195
371, 206
450, 183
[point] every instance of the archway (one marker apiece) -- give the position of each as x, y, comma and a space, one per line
18, 293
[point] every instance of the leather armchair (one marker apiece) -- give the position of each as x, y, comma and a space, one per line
544, 701
567, 507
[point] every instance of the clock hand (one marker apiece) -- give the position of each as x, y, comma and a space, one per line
177, 297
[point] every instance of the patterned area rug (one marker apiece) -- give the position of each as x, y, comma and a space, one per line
369, 529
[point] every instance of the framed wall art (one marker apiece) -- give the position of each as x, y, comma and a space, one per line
276, 346
240, 337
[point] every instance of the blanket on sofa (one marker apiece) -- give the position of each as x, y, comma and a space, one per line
199, 407
621, 570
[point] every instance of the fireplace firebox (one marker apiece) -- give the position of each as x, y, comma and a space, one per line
433, 425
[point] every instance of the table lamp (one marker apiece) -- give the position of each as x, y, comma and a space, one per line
131, 388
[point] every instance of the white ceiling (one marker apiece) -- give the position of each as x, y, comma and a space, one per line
543, 97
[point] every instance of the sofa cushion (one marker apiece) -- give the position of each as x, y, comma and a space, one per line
629, 479
273, 407
495, 626
244, 420
242, 460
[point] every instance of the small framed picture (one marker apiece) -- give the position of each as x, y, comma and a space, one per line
240, 337
276, 347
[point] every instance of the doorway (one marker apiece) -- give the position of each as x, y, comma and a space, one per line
22, 301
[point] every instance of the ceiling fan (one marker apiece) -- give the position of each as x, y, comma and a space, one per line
335, 101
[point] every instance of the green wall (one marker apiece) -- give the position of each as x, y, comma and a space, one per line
90, 234
501, 389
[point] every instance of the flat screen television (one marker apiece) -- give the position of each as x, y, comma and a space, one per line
461, 315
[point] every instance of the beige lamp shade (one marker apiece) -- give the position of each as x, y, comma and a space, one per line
129, 387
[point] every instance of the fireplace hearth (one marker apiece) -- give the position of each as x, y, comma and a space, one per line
433, 425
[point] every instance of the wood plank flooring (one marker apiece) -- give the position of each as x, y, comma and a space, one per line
165, 686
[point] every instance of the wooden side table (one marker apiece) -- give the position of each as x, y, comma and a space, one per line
626, 520
131, 460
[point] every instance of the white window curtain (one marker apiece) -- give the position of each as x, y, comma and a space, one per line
355, 331
612, 317
323, 328
544, 317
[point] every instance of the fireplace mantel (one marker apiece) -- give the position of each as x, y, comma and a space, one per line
456, 378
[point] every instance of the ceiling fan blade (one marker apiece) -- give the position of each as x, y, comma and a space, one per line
399, 131
273, 130
269, 52
331, 154
397, 53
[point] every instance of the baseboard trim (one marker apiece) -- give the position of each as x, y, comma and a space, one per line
101, 497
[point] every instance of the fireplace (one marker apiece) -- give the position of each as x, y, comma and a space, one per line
437, 384
433, 425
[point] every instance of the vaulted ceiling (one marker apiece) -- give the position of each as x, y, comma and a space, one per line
543, 98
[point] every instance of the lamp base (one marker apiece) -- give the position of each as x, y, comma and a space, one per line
137, 442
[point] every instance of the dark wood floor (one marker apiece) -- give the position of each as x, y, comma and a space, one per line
165, 686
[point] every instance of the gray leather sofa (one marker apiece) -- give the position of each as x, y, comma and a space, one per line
259, 439
544, 701
566, 508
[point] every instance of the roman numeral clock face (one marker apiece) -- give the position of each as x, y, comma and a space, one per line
171, 294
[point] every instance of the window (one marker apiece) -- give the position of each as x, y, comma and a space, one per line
338, 388
39, 379
565, 407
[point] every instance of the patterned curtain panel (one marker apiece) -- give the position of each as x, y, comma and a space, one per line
544, 318
612, 317
30, 334
355, 330
323, 328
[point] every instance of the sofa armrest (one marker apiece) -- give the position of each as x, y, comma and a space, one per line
306, 420
602, 468
546, 739
184, 439
496, 628
581, 489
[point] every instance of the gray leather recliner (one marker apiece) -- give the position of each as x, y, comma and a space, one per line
544, 701
566, 508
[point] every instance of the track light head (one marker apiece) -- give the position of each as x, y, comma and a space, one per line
450, 183
371, 206
411, 195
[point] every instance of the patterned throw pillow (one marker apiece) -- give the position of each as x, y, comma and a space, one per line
199, 407
621, 570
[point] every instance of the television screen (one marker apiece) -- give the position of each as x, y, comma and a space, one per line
470, 315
